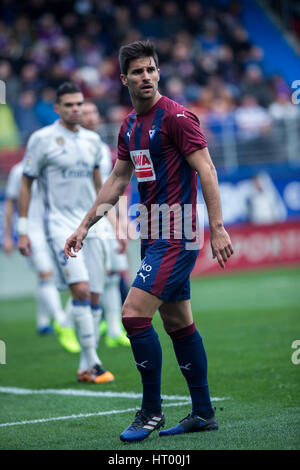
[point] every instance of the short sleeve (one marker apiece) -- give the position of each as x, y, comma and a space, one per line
34, 157
98, 153
185, 132
123, 153
13, 183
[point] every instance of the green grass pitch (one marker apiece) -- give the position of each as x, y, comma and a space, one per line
248, 322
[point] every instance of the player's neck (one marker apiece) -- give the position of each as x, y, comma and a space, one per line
70, 127
143, 106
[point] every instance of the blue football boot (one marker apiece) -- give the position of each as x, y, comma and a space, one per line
191, 423
142, 426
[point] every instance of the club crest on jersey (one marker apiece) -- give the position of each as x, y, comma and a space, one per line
152, 132
143, 164
92, 151
60, 141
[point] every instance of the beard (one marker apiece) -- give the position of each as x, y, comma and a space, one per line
142, 96
72, 120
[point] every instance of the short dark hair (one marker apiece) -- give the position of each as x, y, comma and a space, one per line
136, 50
89, 101
66, 88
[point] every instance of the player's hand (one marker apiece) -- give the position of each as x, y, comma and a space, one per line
24, 245
122, 245
74, 242
8, 245
221, 245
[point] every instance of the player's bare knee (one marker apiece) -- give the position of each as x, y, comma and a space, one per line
95, 298
171, 324
45, 275
131, 310
80, 291
127, 311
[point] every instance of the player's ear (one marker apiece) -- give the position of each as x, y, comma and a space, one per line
123, 79
56, 107
158, 70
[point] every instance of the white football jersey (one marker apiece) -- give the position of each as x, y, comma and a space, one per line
106, 162
63, 162
104, 228
36, 208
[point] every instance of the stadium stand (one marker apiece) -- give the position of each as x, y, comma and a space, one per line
208, 60
217, 58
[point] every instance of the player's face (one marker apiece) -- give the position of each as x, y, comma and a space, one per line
70, 108
142, 78
90, 117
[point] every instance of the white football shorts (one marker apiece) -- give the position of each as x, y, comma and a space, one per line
41, 258
88, 266
114, 261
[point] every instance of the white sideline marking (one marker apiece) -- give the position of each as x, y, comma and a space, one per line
184, 400
87, 415
89, 393
81, 393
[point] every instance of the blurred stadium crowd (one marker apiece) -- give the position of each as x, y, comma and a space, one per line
207, 62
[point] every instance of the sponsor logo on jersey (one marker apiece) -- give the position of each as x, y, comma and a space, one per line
80, 169
28, 160
60, 141
143, 164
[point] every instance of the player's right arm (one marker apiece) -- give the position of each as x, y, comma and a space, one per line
24, 244
11, 197
8, 243
108, 196
33, 162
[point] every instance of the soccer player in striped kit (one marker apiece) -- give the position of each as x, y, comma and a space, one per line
162, 141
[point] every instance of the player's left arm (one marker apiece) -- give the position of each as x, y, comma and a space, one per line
220, 241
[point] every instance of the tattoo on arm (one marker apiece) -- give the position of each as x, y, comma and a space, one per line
91, 222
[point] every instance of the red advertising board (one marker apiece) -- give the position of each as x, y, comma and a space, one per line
255, 246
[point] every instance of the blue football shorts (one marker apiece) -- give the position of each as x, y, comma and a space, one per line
165, 270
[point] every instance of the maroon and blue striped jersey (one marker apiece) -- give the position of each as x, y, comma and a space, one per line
158, 143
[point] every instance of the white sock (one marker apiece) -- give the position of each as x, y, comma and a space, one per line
112, 305
68, 314
97, 315
43, 318
50, 298
84, 326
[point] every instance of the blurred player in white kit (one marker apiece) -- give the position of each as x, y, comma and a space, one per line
49, 308
65, 158
115, 261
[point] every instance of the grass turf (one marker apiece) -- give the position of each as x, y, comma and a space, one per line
248, 323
